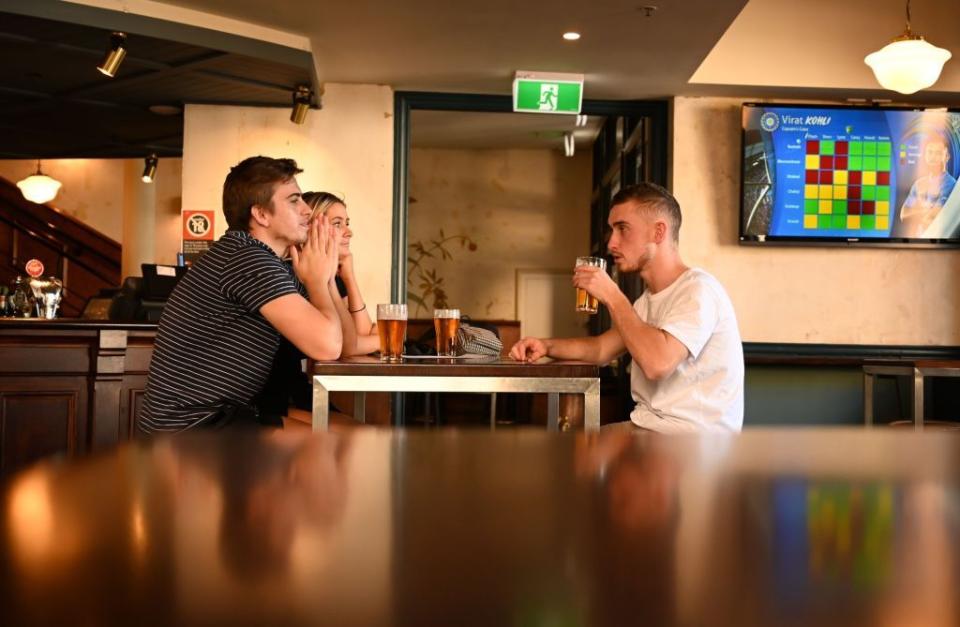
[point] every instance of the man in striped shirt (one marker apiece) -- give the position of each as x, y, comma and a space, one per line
222, 324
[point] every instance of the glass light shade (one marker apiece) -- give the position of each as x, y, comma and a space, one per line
39, 188
907, 65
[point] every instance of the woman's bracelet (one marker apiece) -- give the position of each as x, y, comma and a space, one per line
357, 310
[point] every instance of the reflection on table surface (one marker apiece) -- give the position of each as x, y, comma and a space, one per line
773, 527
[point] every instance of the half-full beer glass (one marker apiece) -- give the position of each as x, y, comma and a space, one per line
445, 323
586, 302
392, 327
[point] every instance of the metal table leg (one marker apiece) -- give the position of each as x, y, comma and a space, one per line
917, 399
321, 407
591, 407
553, 411
360, 407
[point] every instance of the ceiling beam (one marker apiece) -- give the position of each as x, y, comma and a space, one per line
74, 49
159, 29
286, 90
133, 80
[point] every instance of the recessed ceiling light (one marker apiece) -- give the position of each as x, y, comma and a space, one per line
571, 35
160, 109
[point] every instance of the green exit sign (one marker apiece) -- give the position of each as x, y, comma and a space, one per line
546, 92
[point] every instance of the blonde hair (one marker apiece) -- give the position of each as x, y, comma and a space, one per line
319, 202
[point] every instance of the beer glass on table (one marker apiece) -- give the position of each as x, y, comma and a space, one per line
446, 322
585, 302
392, 328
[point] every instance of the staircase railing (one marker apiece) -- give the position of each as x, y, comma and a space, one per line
82, 257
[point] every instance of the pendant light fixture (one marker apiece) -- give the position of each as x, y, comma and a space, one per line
39, 187
909, 63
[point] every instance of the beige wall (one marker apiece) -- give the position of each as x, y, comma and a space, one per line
346, 147
524, 209
92, 191
108, 195
816, 295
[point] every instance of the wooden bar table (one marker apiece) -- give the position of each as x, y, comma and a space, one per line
370, 527
482, 375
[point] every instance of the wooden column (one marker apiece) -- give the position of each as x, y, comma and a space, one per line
107, 379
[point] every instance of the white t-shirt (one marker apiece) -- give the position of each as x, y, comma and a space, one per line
705, 392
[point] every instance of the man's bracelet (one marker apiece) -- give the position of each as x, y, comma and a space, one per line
357, 310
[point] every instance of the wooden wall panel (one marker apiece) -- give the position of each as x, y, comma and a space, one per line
55, 357
134, 388
49, 419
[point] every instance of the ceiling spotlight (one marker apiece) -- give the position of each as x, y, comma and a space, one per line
301, 104
162, 109
568, 144
39, 187
581, 121
149, 169
571, 36
908, 63
114, 56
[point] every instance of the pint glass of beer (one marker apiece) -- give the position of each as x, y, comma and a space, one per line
392, 327
586, 302
445, 323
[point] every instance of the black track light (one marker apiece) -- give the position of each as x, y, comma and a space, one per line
149, 168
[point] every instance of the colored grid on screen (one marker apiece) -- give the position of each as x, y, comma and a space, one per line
847, 185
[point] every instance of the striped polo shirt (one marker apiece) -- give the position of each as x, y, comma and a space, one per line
213, 347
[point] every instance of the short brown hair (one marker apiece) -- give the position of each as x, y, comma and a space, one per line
655, 197
252, 182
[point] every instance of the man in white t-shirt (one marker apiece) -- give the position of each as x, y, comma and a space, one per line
687, 371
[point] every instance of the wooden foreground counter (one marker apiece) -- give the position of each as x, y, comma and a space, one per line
785, 528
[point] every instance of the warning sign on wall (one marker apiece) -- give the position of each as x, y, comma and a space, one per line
197, 233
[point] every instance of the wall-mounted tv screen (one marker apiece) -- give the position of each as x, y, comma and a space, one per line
850, 175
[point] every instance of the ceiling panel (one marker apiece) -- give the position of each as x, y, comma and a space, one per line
54, 103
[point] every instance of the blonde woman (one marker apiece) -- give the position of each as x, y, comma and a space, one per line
359, 331
288, 391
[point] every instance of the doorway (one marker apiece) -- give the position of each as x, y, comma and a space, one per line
625, 142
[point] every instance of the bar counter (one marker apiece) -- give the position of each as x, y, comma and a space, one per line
69, 386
